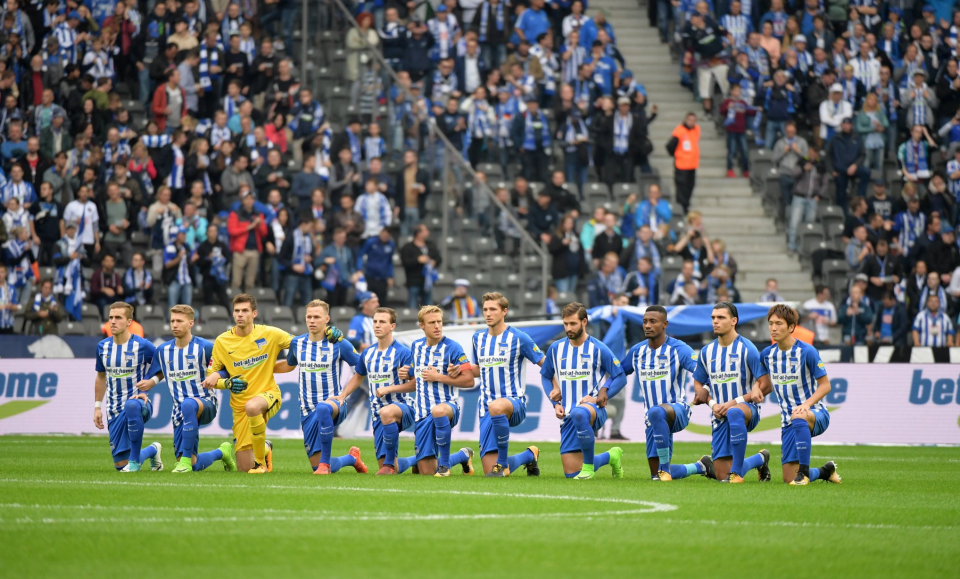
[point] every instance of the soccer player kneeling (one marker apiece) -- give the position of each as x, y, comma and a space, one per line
726, 369
800, 380
123, 360
586, 374
183, 362
319, 353
661, 364
439, 366
392, 409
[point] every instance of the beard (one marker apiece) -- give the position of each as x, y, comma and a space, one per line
575, 335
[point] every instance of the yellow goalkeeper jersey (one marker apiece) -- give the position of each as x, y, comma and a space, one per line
254, 356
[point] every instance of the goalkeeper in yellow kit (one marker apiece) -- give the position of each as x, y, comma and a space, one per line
243, 362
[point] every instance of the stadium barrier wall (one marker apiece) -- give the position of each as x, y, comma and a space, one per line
54, 397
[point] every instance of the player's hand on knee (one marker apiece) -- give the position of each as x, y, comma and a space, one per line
236, 384
588, 400
333, 334
602, 399
141, 396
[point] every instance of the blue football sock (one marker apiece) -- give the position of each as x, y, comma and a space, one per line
405, 462
442, 427
205, 459
458, 457
516, 461
738, 438
585, 435
751, 462
391, 442
338, 462
679, 471
501, 429
148, 453
132, 412
570, 474
325, 418
803, 439
189, 433
814, 474
661, 435
601, 460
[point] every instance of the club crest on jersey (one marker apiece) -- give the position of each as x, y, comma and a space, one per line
260, 343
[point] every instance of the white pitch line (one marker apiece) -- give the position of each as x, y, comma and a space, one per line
657, 507
884, 459
864, 526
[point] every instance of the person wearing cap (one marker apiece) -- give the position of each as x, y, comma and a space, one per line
531, 134
914, 155
178, 260
445, 31
360, 334
920, 101
459, 305
832, 112
845, 156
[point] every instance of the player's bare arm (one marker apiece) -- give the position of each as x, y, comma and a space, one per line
408, 386
100, 390
282, 367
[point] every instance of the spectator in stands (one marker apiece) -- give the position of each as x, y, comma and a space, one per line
169, 103
8, 303
890, 324
910, 225
138, 282
576, 156
654, 212
735, 110
706, 52
686, 295
608, 240
273, 175
884, 270
339, 265
412, 190
568, 255
83, 213
45, 313
375, 260
932, 327
420, 259
855, 317
684, 146
821, 311
116, 237
296, 260
642, 286
236, 176
858, 248
914, 155
374, 210
789, 154
460, 305
686, 277
770, 293
543, 216
592, 228
833, 112
565, 200
872, 124
607, 282
45, 219
214, 259
810, 185
845, 155
919, 101
106, 285
178, 261
531, 132
247, 229
779, 103
350, 220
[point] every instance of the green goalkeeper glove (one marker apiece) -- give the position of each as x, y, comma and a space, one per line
334, 335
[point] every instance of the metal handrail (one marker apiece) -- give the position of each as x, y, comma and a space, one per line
453, 154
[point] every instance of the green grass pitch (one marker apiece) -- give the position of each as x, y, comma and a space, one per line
64, 512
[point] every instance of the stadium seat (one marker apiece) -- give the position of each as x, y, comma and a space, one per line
513, 282
833, 231
483, 251
811, 236
264, 295
214, 313
453, 244
623, 190
152, 327
835, 272
275, 315
72, 329
88, 310
406, 316
343, 315
830, 216
491, 170
564, 298
597, 191
151, 312
397, 295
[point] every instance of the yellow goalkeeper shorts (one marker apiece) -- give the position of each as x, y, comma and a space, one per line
241, 429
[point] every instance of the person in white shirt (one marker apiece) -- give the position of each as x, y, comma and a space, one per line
821, 311
866, 68
82, 212
833, 111
374, 207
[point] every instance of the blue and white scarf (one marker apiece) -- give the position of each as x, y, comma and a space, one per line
374, 148
443, 32
356, 152
739, 27
231, 106
208, 58
570, 66
8, 295
430, 276
248, 46
575, 128
231, 25
485, 18
506, 112
891, 96
915, 158
17, 255
137, 280
70, 277
218, 265
478, 125
621, 133
529, 140
302, 251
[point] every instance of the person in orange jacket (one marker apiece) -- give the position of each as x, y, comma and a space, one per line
684, 147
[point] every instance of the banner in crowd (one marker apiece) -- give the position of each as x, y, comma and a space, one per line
56, 397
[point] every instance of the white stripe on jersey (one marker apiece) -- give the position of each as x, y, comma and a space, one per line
792, 379
578, 371
382, 371
933, 329
184, 370
429, 394
124, 366
729, 373
500, 362
319, 364
660, 374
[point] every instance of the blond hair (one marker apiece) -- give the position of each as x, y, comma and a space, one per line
127, 309
185, 310
318, 304
425, 310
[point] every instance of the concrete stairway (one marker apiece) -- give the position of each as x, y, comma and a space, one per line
731, 211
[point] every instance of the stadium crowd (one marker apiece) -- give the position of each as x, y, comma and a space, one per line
161, 151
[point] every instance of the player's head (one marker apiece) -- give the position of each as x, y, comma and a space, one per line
317, 314
654, 322
430, 319
724, 318
384, 322
181, 320
782, 320
121, 313
244, 310
574, 320
495, 307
